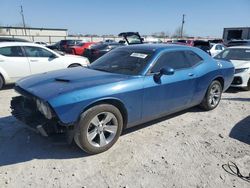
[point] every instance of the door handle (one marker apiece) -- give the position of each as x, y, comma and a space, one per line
33, 60
190, 74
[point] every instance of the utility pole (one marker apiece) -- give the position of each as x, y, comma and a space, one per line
24, 26
182, 24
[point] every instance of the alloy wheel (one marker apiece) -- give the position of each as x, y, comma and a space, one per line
214, 95
102, 129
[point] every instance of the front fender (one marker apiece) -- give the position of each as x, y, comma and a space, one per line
69, 106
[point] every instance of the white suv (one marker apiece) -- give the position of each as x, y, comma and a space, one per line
240, 57
20, 59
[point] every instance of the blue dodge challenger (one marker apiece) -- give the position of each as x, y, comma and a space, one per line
126, 87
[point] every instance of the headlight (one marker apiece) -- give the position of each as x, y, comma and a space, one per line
44, 109
240, 70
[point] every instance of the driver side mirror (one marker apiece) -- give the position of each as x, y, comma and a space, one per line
163, 71
167, 71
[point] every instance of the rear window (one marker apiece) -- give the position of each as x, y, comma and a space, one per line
183, 41
70, 42
99, 46
80, 44
201, 43
238, 43
234, 54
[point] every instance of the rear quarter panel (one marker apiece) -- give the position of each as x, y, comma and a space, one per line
207, 71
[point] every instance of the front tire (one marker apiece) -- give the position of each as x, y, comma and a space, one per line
213, 96
1, 82
99, 128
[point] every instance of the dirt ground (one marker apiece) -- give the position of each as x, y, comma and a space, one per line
186, 149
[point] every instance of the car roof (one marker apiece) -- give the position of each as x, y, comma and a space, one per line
155, 47
10, 39
3, 44
242, 47
238, 40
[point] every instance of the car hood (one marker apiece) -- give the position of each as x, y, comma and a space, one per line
240, 63
51, 84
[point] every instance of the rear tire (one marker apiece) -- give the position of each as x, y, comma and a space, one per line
212, 97
98, 128
1, 82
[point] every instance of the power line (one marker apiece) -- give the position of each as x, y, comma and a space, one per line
182, 24
22, 14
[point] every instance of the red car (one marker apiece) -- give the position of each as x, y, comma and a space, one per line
79, 48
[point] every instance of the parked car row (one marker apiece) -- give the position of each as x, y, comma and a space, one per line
93, 51
63, 45
126, 84
99, 49
79, 48
212, 47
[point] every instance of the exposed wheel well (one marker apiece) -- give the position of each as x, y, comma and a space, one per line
221, 80
74, 65
115, 103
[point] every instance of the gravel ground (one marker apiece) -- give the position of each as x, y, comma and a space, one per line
186, 149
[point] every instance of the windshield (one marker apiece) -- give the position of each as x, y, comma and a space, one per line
234, 54
123, 61
133, 39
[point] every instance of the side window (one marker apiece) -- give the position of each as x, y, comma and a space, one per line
218, 47
32, 51
175, 60
193, 58
11, 51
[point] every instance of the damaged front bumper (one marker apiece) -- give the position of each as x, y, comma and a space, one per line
25, 110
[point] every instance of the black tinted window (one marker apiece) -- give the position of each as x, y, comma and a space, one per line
234, 54
11, 51
201, 43
193, 58
32, 51
218, 47
175, 60
99, 46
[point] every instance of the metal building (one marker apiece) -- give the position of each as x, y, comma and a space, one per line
236, 33
32, 31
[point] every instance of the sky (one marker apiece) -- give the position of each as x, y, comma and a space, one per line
203, 17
